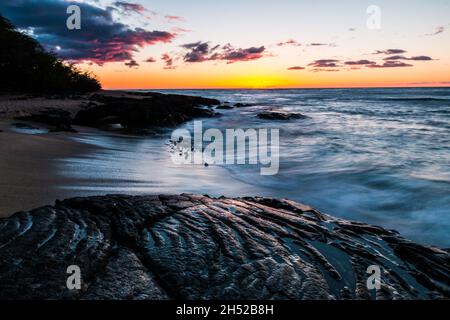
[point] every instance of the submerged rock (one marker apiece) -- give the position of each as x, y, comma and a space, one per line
242, 105
224, 107
196, 247
280, 115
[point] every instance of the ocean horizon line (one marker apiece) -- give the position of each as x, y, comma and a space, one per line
274, 89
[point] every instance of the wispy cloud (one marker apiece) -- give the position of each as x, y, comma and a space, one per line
324, 70
289, 42
330, 65
127, 6
325, 63
359, 63
439, 29
391, 64
390, 51
416, 58
320, 44
172, 18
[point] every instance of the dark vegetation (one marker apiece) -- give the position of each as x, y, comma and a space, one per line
26, 67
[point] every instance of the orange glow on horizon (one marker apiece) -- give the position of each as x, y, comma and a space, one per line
256, 76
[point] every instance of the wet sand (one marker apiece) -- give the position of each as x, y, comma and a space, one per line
28, 175
28, 178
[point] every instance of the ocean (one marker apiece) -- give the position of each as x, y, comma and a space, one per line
380, 156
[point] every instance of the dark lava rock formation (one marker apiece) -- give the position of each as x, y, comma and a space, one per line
149, 110
196, 247
225, 107
280, 115
242, 105
57, 119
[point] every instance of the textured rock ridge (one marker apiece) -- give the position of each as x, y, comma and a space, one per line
196, 247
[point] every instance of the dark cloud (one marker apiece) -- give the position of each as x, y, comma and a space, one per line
391, 64
398, 57
390, 51
202, 51
198, 51
168, 61
134, 7
150, 60
296, 68
325, 63
395, 61
193, 56
416, 58
201, 47
421, 58
320, 44
101, 38
235, 55
290, 42
359, 63
132, 63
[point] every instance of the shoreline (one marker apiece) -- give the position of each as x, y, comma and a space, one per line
121, 163
28, 167
29, 160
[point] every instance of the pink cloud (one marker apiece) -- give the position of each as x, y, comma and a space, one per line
171, 18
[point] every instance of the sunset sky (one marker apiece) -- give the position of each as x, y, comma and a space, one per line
246, 43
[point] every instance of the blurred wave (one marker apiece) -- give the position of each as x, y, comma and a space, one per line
377, 155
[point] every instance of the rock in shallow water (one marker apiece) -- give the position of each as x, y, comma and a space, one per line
280, 115
196, 247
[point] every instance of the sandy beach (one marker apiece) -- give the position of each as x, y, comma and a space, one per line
27, 167
27, 161
32, 151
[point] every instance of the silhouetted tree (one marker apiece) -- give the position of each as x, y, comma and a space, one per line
26, 67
